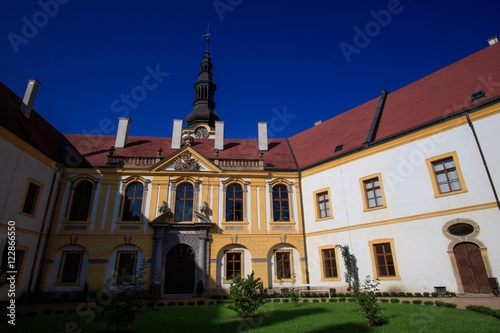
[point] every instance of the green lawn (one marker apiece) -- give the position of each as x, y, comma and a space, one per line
274, 317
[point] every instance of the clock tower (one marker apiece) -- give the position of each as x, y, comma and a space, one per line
201, 121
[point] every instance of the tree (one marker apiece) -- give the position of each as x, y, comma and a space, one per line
247, 295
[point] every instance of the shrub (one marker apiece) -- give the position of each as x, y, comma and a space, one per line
394, 294
418, 295
450, 305
191, 303
453, 295
315, 300
435, 294
428, 303
417, 301
351, 299
386, 294
221, 301
201, 302
276, 300
368, 302
348, 294
323, 300
333, 300
305, 301
171, 303
426, 294
384, 300
314, 295
268, 300
378, 294
160, 304
247, 295
285, 300
340, 294
484, 310
409, 294
406, 302
341, 299
394, 300
180, 303
401, 294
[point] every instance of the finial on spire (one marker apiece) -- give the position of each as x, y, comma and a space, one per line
207, 34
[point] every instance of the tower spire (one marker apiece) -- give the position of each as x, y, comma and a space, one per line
204, 104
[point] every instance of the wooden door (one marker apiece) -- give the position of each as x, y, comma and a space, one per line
180, 270
471, 268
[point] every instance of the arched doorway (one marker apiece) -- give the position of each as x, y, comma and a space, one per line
471, 268
180, 270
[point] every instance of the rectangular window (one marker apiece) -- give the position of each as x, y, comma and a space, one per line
233, 264
329, 263
447, 175
323, 204
373, 193
31, 197
70, 267
383, 259
126, 263
283, 265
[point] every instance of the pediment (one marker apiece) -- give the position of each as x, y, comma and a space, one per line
186, 159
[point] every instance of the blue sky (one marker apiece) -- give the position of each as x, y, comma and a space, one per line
289, 63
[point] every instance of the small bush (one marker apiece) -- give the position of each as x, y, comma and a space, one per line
418, 295
180, 303
276, 300
384, 300
201, 302
171, 303
426, 294
285, 300
268, 300
439, 304
160, 304
314, 295
191, 303
333, 300
401, 294
348, 295
340, 294
450, 305
394, 300
305, 301
351, 300
428, 303
386, 294
378, 294
435, 294
323, 300
409, 295
406, 302
484, 310
453, 295
417, 302
221, 301
315, 300
341, 299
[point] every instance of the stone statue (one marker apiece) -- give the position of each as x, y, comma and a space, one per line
164, 209
204, 209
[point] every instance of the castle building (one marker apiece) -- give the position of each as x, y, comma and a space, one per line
408, 180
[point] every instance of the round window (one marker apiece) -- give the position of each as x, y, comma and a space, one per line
461, 229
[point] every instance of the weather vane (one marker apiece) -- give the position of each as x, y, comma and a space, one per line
207, 34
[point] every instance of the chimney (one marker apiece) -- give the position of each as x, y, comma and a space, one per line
219, 135
318, 122
122, 133
493, 40
262, 136
29, 97
177, 133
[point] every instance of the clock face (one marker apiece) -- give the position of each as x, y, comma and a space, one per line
201, 133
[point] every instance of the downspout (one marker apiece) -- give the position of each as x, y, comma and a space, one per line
45, 218
471, 125
301, 213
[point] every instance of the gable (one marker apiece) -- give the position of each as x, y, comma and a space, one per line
186, 159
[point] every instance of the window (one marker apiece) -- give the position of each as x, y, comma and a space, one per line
233, 264
281, 210
446, 175
31, 197
81, 201
373, 192
70, 267
283, 265
384, 259
234, 203
184, 202
133, 202
329, 263
125, 267
322, 204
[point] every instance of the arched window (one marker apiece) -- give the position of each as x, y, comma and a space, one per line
81, 201
234, 203
184, 202
133, 202
281, 208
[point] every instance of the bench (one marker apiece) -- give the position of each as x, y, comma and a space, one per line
324, 289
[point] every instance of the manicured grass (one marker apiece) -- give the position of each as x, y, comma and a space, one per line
273, 317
